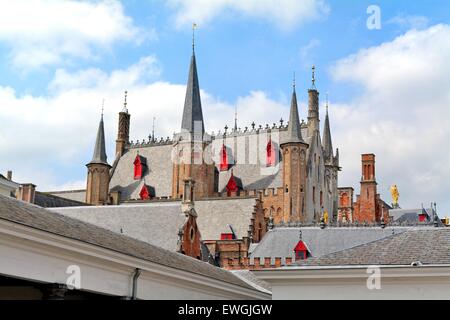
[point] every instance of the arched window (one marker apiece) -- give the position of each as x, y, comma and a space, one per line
223, 159
271, 154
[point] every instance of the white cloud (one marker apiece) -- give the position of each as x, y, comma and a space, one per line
409, 21
48, 32
402, 115
49, 138
286, 14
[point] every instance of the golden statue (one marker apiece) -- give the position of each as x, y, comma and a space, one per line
325, 217
395, 195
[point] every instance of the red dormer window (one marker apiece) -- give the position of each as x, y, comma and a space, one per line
145, 193
301, 251
139, 167
226, 236
270, 154
232, 185
223, 158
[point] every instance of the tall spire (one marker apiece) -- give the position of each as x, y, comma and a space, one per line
294, 133
327, 144
192, 113
99, 156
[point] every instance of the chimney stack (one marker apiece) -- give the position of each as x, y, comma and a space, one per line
27, 192
9, 175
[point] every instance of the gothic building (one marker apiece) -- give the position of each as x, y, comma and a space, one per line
292, 168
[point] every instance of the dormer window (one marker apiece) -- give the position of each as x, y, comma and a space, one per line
223, 158
271, 156
140, 164
233, 185
145, 194
301, 251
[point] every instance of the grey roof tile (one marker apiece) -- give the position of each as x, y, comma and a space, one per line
42, 219
155, 223
280, 242
427, 245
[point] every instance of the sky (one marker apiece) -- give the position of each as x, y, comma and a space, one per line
386, 70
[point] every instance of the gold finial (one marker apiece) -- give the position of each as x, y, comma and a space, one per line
125, 103
313, 76
194, 26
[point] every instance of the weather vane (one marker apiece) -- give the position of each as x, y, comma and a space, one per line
194, 26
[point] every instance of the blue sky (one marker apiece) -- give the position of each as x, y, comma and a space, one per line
61, 58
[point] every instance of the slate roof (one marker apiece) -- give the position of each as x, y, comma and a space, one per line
99, 156
252, 280
75, 195
158, 173
155, 223
280, 242
409, 215
427, 245
215, 215
47, 200
42, 219
294, 133
192, 112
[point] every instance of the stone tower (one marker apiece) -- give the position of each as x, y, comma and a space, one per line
191, 144
123, 133
294, 168
98, 171
313, 107
366, 206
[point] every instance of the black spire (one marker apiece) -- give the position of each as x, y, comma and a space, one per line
99, 156
192, 113
327, 144
294, 133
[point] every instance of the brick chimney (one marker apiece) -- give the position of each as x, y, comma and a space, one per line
27, 192
9, 175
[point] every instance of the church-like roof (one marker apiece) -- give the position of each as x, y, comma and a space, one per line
192, 112
99, 156
158, 173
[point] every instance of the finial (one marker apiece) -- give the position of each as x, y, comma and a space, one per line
313, 76
326, 103
293, 82
125, 103
235, 118
300, 235
153, 130
194, 26
103, 107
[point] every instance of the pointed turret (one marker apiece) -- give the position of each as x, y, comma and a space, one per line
97, 190
192, 113
294, 133
99, 156
327, 143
